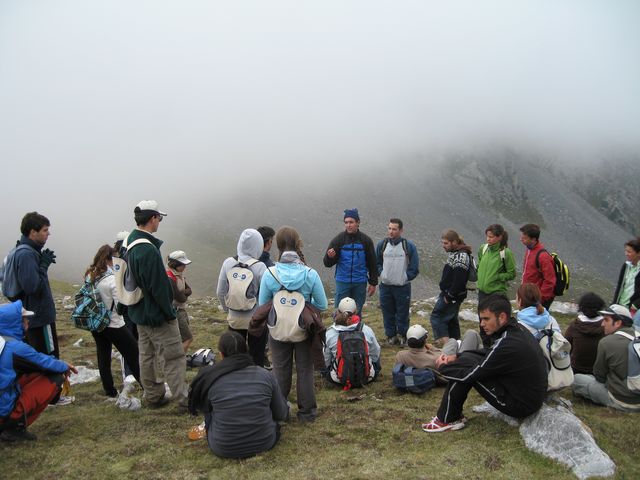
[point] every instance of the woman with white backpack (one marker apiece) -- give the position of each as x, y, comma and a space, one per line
100, 274
290, 281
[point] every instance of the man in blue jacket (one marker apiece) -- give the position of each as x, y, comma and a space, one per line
24, 395
354, 255
28, 268
398, 264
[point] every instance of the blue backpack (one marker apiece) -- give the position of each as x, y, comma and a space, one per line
411, 379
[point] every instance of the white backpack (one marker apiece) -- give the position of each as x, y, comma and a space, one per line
285, 317
238, 298
557, 353
127, 289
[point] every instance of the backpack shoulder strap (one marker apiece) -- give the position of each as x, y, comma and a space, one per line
136, 242
626, 335
275, 276
485, 247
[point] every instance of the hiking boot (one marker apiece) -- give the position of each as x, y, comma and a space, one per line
437, 425
17, 434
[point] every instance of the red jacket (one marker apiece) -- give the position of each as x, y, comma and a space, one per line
542, 275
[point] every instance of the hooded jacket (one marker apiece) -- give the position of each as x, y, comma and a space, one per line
147, 268
13, 350
295, 276
584, 334
249, 248
493, 272
34, 281
530, 319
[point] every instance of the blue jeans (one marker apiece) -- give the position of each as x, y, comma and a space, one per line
357, 291
444, 319
394, 303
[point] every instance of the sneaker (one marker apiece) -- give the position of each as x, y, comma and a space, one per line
402, 341
392, 340
64, 400
436, 425
17, 434
197, 432
160, 403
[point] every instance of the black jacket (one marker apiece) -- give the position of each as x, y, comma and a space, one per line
514, 360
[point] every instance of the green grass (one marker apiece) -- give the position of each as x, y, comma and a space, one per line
378, 436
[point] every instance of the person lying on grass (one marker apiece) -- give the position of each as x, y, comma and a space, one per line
241, 402
511, 374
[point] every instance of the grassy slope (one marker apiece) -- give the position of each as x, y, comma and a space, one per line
378, 436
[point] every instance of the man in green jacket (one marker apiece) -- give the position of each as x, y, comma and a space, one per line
158, 332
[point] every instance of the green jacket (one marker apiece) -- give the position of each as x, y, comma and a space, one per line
493, 271
147, 268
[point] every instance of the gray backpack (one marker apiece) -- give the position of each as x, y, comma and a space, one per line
10, 286
633, 364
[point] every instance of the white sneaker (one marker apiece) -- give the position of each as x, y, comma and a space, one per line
64, 400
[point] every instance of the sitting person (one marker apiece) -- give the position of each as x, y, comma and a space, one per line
608, 384
347, 320
241, 402
511, 374
25, 395
585, 332
420, 354
532, 315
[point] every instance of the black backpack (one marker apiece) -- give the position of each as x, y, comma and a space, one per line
563, 276
352, 358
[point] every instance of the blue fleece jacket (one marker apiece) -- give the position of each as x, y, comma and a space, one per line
12, 349
295, 276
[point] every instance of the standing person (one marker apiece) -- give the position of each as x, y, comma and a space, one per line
291, 272
608, 384
177, 263
496, 264
158, 332
585, 332
29, 268
398, 265
538, 265
238, 287
628, 286
100, 274
121, 308
354, 255
267, 237
23, 397
241, 402
511, 375
453, 287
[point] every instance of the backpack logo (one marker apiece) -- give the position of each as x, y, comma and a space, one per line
90, 312
241, 297
352, 364
127, 289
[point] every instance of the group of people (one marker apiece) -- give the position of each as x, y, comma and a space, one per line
276, 307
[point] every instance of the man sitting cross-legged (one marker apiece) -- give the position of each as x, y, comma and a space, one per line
511, 374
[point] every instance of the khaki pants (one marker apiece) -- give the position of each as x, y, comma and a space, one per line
164, 340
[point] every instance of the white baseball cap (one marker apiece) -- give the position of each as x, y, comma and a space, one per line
618, 312
150, 205
179, 256
347, 305
416, 331
122, 236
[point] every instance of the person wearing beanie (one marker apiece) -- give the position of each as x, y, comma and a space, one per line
608, 384
346, 319
584, 333
176, 264
353, 254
